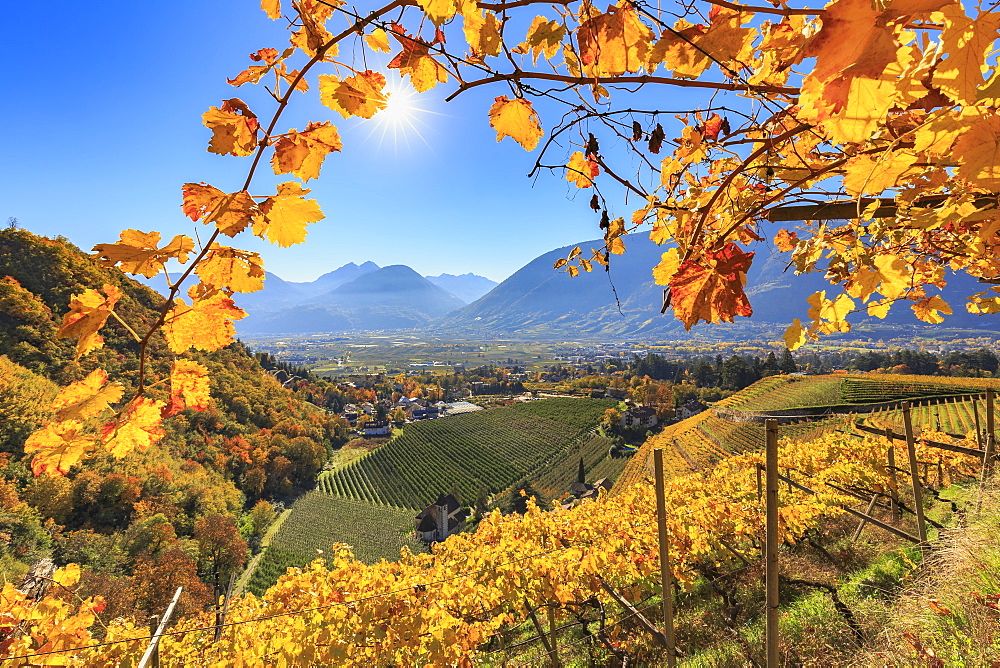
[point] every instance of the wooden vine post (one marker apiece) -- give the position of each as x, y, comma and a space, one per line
666, 575
152, 652
897, 514
911, 453
771, 540
990, 449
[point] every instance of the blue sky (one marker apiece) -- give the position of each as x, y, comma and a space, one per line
102, 124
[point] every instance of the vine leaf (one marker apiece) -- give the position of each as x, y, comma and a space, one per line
138, 427
711, 290
88, 311
582, 170
415, 61
87, 398
516, 119
137, 252
206, 325
57, 447
230, 213
234, 128
303, 153
189, 387
360, 95
286, 215
232, 268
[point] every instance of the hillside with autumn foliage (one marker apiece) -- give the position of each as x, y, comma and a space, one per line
180, 512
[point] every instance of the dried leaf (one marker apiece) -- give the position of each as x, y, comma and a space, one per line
137, 252
88, 311
86, 398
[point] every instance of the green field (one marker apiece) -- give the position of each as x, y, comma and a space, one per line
319, 520
485, 451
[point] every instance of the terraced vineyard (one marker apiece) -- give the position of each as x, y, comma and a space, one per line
778, 392
940, 403
953, 415
472, 452
858, 389
319, 520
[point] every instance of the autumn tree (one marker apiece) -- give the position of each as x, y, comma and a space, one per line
221, 549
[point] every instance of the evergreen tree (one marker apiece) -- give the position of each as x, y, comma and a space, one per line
787, 363
581, 473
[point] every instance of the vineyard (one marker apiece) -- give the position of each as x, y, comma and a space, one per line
554, 481
319, 520
471, 453
780, 392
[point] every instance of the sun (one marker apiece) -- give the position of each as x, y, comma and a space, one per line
402, 118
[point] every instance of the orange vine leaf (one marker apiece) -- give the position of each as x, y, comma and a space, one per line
711, 289
88, 311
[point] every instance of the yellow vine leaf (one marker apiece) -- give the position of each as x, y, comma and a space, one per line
88, 311
189, 387
795, 335
303, 153
207, 325
272, 8
879, 309
786, 240
614, 43
312, 34
86, 398
231, 213
670, 261
930, 309
359, 95
711, 289
416, 62
516, 119
254, 73
67, 576
895, 275
977, 152
967, 42
581, 170
57, 447
137, 252
232, 268
482, 32
852, 37
439, 11
865, 174
833, 311
544, 38
234, 128
378, 40
137, 428
286, 215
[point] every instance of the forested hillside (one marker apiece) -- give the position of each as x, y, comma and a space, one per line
181, 511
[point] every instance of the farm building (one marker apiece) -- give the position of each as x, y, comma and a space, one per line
641, 416
377, 428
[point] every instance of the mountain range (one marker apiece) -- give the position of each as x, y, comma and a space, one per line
537, 301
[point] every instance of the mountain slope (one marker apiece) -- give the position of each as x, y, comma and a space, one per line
537, 300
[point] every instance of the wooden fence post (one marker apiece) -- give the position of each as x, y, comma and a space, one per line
220, 617
553, 635
771, 541
666, 575
897, 514
990, 449
911, 452
861, 526
154, 642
